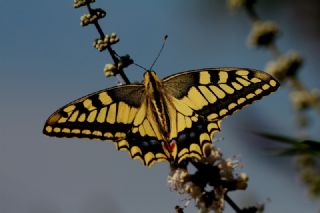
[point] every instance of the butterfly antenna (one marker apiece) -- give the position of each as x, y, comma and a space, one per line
138, 65
159, 53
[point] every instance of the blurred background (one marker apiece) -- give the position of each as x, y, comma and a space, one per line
47, 60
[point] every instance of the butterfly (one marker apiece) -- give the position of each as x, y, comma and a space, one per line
162, 120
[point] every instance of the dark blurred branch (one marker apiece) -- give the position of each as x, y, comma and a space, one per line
232, 204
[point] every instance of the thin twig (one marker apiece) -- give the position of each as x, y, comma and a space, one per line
232, 204
251, 12
275, 52
109, 48
178, 209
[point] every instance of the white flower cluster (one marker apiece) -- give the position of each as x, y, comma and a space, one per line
102, 44
303, 99
285, 66
112, 69
236, 4
263, 33
92, 17
81, 3
208, 185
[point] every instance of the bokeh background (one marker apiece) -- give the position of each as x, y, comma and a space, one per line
47, 60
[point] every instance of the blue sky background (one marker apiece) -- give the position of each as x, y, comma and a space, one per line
47, 60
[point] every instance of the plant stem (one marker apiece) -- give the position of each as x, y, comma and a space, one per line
251, 12
232, 204
110, 50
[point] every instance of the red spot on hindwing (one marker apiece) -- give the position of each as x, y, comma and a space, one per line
169, 146
172, 146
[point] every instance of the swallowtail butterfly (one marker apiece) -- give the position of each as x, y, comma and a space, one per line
162, 120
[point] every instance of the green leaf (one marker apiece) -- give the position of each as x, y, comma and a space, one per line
296, 146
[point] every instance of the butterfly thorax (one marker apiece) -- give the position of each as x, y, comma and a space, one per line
156, 101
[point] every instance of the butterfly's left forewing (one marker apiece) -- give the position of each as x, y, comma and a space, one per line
117, 114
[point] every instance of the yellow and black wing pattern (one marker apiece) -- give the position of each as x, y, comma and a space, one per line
111, 114
207, 96
195, 101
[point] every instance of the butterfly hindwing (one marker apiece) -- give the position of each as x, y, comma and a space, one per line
144, 142
192, 142
145, 148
